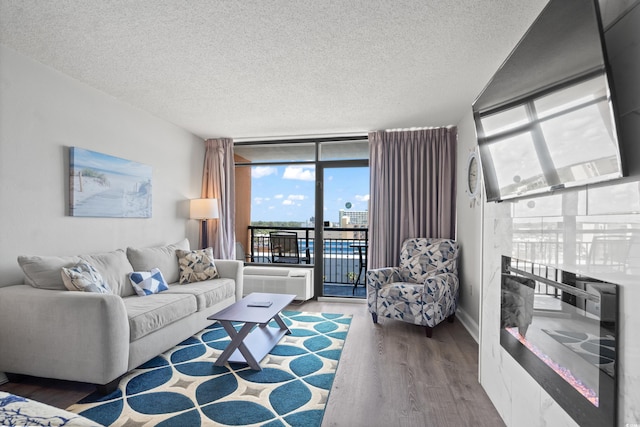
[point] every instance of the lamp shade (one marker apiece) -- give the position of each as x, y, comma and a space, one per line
203, 208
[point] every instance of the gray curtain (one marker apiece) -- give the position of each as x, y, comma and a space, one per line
413, 189
218, 181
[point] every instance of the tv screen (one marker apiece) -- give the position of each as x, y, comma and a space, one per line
546, 119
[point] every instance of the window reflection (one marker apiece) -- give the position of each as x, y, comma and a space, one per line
530, 147
518, 172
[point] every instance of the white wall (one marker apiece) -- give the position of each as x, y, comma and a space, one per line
42, 113
516, 395
469, 233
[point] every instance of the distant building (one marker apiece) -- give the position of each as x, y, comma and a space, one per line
354, 220
355, 217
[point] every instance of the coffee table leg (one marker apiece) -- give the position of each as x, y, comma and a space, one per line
281, 323
237, 339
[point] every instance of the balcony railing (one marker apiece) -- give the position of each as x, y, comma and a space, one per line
344, 250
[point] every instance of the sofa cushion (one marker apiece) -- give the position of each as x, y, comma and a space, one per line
44, 271
148, 282
196, 266
84, 277
162, 257
114, 268
153, 312
208, 293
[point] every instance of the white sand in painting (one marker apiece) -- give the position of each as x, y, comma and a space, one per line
119, 198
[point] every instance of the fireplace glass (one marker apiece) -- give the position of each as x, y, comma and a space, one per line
562, 328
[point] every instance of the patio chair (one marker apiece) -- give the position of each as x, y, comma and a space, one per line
517, 302
423, 289
284, 248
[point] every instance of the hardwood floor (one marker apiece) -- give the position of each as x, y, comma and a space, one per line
389, 374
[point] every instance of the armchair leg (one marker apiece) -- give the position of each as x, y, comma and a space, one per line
429, 331
451, 318
375, 317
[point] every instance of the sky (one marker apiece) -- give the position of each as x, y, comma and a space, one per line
286, 193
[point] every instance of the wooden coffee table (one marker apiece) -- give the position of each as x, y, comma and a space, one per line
250, 345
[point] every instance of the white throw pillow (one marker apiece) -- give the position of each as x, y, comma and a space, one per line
148, 282
84, 277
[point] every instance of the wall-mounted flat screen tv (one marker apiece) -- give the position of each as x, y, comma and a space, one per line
546, 120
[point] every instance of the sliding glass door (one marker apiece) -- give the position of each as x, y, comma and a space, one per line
318, 190
345, 231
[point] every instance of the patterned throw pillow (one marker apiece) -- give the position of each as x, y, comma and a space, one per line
148, 282
84, 277
196, 266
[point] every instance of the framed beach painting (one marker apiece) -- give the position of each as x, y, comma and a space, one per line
106, 186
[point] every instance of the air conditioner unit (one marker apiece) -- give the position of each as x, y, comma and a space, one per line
279, 280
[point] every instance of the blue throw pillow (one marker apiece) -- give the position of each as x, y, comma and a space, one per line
148, 282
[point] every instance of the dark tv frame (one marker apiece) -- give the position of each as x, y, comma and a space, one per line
492, 190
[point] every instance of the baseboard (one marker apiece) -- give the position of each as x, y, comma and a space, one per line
469, 324
3, 378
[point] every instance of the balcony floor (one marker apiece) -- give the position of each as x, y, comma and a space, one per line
344, 290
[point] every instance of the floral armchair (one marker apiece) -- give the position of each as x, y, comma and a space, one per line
423, 289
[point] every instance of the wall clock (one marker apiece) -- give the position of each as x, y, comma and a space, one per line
473, 177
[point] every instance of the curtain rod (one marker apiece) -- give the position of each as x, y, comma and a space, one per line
414, 129
324, 137
301, 140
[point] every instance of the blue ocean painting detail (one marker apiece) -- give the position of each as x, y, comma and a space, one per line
106, 186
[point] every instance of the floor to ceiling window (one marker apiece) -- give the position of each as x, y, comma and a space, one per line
316, 190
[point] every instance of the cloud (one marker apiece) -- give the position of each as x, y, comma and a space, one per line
299, 172
278, 196
259, 200
262, 171
292, 198
364, 198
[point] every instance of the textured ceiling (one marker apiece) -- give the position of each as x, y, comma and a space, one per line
276, 68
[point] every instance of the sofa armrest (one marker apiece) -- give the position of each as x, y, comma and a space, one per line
232, 269
78, 336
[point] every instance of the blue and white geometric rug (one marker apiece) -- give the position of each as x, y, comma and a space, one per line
182, 387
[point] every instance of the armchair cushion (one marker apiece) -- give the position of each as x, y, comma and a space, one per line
407, 292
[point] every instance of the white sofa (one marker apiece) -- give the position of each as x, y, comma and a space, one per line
48, 331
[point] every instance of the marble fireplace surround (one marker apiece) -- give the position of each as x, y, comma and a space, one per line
562, 228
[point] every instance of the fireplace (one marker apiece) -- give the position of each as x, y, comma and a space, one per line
562, 329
